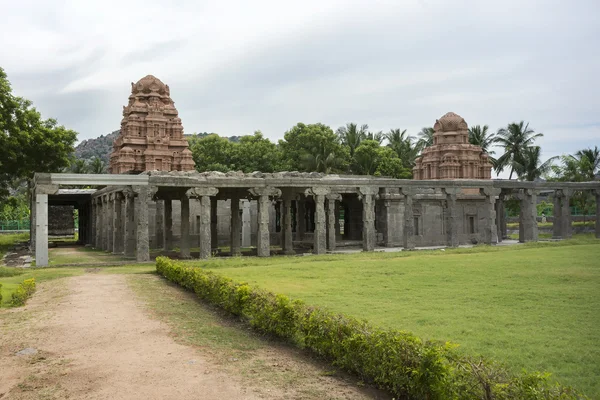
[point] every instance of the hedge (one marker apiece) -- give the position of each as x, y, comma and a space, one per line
396, 361
23, 292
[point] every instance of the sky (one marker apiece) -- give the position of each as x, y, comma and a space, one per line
234, 67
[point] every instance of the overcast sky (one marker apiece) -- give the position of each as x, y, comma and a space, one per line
238, 66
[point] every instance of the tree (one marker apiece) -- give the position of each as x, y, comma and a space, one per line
351, 135
515, 139
589, 162
529, 165
212, 153
426, 137
78, 166
404, 146
372, 159
256, 153
96, 166
29, 143
376, 136
306, 147
479, 136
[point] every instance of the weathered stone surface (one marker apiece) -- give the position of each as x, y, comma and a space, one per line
130, 225
168, 240
142, 235
159, 219
263, 240
286, 228
41, 230
368, 216
409, 224
184, 245
451, 156
236, 226
151, 136
597, 193
451, 216
490, 229
332, 220
118, 234
528, 229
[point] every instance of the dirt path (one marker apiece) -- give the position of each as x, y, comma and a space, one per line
94, 339
112, 350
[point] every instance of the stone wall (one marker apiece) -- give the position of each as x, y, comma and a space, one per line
61, 221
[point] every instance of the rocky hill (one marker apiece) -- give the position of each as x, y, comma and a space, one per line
102, 146
99, 147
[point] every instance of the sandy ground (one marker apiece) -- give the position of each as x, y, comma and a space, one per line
95, 340
113, 350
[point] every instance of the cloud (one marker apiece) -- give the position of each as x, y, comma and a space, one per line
234, 66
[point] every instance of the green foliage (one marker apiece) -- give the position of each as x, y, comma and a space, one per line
14, 208
212, 153
23, 292
372, 159
6, 272
393, 360
313, 147
404, 146
0, 293
545, 208
516, 138
28, 142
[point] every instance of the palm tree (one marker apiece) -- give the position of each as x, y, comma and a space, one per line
589, 161
426, 137
515, 139
351, 135
479, 136
79, 166
377, 136
404, 145
97, 166
529, 165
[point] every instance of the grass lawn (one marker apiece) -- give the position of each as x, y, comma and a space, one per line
534, 306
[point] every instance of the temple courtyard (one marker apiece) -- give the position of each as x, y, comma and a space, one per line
532, 306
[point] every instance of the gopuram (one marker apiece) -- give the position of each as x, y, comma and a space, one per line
153, 198
451, 156
151, 136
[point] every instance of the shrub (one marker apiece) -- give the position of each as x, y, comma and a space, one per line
23, 292
0, 293
393, 360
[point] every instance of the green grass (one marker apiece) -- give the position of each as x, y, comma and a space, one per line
515, 225
9, 240
534, 306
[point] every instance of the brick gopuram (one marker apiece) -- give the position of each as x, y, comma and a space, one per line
451, 156
151, 137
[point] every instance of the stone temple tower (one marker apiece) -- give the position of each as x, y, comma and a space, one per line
151, 137
451, 156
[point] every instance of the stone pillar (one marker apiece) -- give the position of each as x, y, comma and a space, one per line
565, 213
130, 226
105, 225
236, 227
528, 230
392, 235
204, 194
501, 217
94, 212
41, 230
286, 226
263, 242
451, 216
490, 230
144, 196
98, 225
118, 246
168, 240
557, 223
332, 220
110, 218
368, 216
409, 219
214, 233
246, 224
300, 218
159, 232
320, 234
184, 242
597, 223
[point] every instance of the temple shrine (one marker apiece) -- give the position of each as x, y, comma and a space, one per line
452, 156
151, 137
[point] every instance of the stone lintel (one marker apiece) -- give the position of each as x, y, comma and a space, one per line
490, 192
198, 192
265, 191
46, 189
367, 190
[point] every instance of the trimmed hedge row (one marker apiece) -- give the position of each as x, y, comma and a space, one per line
23, 292
393, 360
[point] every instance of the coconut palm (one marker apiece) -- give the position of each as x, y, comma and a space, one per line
404, 145
426, 137
589, 161
78, 166
479, 136
97, 166
515, 139
351, 135
376, 136
529, 165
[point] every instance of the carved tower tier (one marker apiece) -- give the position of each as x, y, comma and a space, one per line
151, 137
451, 156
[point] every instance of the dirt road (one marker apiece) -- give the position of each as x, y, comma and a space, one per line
93, 339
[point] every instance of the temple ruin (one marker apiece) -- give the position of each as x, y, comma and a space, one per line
451, 156
151, 136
